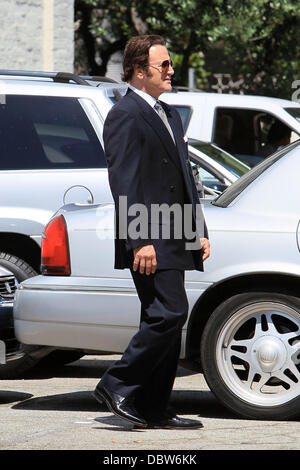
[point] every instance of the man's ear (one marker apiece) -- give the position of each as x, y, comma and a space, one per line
139, 72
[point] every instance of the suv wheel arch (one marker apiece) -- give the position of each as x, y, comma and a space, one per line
22, 247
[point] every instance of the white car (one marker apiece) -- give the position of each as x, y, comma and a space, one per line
238, 124
243, 328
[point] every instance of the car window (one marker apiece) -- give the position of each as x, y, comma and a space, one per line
295, 112
185, 114
234, 130
225, 159
242, 131
42, 132
205, 174
264, 123
210, 180
238, 187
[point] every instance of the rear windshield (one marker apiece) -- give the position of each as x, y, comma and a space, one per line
42, 132
238, 186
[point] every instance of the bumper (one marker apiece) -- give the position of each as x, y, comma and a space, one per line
77, 313
6, 329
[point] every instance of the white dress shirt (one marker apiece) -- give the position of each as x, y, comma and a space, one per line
150, 100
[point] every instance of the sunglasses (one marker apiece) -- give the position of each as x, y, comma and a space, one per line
164, 66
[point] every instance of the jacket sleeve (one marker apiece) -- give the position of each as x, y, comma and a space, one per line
123, 150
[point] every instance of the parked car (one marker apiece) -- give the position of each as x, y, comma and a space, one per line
8, 343
51, 151
238, 124
243, 328
216, 168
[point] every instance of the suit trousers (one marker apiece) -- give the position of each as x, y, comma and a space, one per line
147, 369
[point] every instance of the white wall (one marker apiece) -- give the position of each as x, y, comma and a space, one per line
37, 35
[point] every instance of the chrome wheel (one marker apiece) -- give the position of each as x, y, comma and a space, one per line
258, 353
250, 354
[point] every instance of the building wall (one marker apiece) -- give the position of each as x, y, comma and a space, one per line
37, 35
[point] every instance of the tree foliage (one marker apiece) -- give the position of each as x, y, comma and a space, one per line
262, 38
259, 38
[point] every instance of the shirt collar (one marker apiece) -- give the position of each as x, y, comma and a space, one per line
150, 100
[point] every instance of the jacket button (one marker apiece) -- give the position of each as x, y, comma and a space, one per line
172, 188
165, 160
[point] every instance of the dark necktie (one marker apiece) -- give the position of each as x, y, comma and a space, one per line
164, 118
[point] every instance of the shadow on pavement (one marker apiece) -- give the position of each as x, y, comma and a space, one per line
114, 423
195, 402
7, 396
92, 368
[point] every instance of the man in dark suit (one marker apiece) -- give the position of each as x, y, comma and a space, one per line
148, 164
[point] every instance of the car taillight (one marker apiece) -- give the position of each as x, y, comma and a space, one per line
55, 249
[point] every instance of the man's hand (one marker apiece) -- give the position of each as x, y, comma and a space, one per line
205, 248
145, 257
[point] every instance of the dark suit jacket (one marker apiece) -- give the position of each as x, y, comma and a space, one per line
145, 165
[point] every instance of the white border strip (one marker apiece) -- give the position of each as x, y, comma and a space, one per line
48, 35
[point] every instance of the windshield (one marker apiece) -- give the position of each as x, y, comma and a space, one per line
295, 112
238, 187
225, 159
185, 113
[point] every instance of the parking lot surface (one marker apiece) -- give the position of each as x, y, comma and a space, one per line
53, 409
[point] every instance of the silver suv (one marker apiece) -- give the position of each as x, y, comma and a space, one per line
51, 153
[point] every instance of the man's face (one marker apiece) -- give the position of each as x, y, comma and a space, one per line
156, 79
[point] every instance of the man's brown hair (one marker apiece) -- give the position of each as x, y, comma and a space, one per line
137, 53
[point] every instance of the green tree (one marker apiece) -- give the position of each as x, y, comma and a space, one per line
185, 24
259, 38
104, 26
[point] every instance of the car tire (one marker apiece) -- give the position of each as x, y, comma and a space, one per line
17, 266
21, 361
250, 354
27, 356
20, 357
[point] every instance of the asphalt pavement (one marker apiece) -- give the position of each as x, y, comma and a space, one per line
53, 409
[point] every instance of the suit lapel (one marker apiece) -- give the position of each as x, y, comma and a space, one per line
177, 153
155, 122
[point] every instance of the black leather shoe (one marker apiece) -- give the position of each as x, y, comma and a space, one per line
120, 406
174, 422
